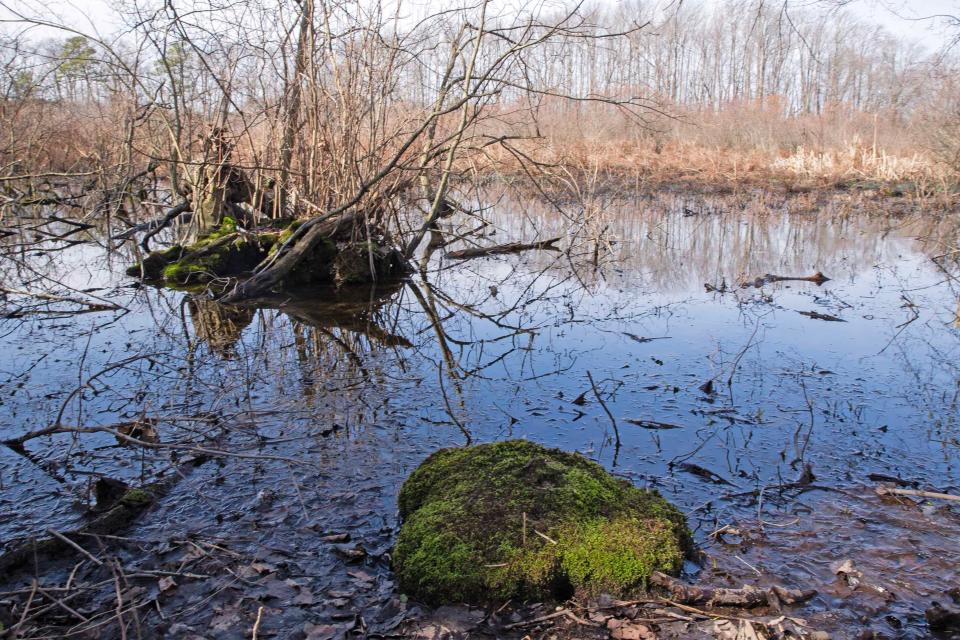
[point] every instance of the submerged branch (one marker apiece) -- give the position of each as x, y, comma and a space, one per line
510, 247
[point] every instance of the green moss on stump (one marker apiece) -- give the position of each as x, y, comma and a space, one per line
462, 538
153, 265
137, 498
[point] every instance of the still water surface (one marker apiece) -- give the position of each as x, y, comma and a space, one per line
349, 392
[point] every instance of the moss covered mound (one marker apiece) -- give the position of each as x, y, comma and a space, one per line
227, 252
222, 253
515, 519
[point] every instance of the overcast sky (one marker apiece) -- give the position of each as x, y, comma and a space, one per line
907, 18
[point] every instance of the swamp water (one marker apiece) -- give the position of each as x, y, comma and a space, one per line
328, 401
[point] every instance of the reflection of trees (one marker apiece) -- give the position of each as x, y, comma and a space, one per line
360, 310
219, 325
681, 241
341, 337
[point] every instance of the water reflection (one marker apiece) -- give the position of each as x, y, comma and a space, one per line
220, 326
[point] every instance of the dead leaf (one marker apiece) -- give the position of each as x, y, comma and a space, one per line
166, 583
627, 630
336, 538
322, 631
736, 630
362, 576
262, 567
304, 597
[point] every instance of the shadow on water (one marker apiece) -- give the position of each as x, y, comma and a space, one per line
327, 400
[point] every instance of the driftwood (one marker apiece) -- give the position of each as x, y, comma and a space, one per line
651, 424
510, 247
890, 491
817, 278
816, 315
746, 597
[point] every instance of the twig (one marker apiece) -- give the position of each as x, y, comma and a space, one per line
26, 609
119, 592
603, 404
532, 621
256, 624
60, 603
64, 539
545, 537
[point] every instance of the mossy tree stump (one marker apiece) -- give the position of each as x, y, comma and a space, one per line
230, 252
515, 519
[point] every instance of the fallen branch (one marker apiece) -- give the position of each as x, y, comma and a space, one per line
890, 491
49, 297
746, 597
613, 421
563, 613
817, 278
168, 217
816, 315
117, 517
510, 247
651, 424
154, 226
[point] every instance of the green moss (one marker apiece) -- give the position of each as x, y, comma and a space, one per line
282, 237
136, 498
152, 266
216, 255
463, 537
198, 270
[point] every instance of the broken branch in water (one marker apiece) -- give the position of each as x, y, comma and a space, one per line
746, 597
603, 404
816, 315
651, 424
817, 278
891, 491
156, 224
49, 297
510, 247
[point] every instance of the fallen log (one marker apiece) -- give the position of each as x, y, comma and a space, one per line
326, 248
510, 247
746, 597
117, 517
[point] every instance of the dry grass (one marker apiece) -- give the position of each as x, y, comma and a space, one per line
746, 144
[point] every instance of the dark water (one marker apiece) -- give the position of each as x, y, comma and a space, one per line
342, 395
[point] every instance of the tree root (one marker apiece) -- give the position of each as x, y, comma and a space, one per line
746, 597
